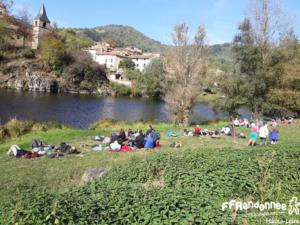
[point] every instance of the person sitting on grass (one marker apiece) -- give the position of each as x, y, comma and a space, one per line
253, 134
121, 137
274, 136
171, 133
236, 122
197, 131
140, 140
150, 129
155, 135
149, 144
187, 133
226, 130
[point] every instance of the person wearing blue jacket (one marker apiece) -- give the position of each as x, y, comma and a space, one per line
149, 142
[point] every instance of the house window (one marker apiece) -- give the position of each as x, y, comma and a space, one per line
137, 65
36, 23
44, 24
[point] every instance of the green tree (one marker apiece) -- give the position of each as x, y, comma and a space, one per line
150, 83
53, 51
264, 54
127, 64
74, 41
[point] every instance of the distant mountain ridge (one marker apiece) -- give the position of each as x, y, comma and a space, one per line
122, 36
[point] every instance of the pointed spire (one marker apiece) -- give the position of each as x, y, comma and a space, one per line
42, 15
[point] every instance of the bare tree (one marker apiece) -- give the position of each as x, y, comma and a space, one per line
187, 65
24, 25
6, 5
270, 23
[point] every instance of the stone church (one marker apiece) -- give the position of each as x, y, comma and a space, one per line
41, 26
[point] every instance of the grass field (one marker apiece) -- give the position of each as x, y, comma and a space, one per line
185, 185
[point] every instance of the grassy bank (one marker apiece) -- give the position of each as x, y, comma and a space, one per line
185, 185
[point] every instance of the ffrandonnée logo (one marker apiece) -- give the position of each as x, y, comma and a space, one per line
293, 206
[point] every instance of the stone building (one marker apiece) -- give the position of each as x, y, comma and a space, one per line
103, 54
41, 26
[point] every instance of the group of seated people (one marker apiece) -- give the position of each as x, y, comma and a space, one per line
282, 120
201, 132
135, 139
238, 122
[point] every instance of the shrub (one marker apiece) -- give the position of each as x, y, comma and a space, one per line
16, 128
120, 90
85, 85
27, 53
45, 126
83, 68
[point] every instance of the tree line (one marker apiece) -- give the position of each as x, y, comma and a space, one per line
266, 74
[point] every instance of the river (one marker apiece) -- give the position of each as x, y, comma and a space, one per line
81, 110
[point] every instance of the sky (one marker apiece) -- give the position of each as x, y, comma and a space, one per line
154, 18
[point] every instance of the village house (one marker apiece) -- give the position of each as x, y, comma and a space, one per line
104, 54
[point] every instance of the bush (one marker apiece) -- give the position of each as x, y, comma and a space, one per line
16, 128
85, 85
27, 53
120, 90
82, 68
127, 64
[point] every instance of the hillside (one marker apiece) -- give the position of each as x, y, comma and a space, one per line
122, 36
221, 56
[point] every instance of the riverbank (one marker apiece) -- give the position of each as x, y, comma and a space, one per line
207, 170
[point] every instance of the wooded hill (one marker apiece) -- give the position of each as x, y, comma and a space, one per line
121, 36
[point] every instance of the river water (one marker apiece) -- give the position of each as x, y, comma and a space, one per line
82, 110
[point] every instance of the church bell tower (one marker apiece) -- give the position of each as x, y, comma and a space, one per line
41, 26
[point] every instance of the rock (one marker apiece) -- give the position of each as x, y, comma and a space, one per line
92, 174
39, 82
29, 78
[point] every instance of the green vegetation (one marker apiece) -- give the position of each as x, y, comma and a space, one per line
120, 89
209, 98
221, 57
186, 185
127, 64
149, 83
267, 75
53, 51
16, 128
73, 41
121, 36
